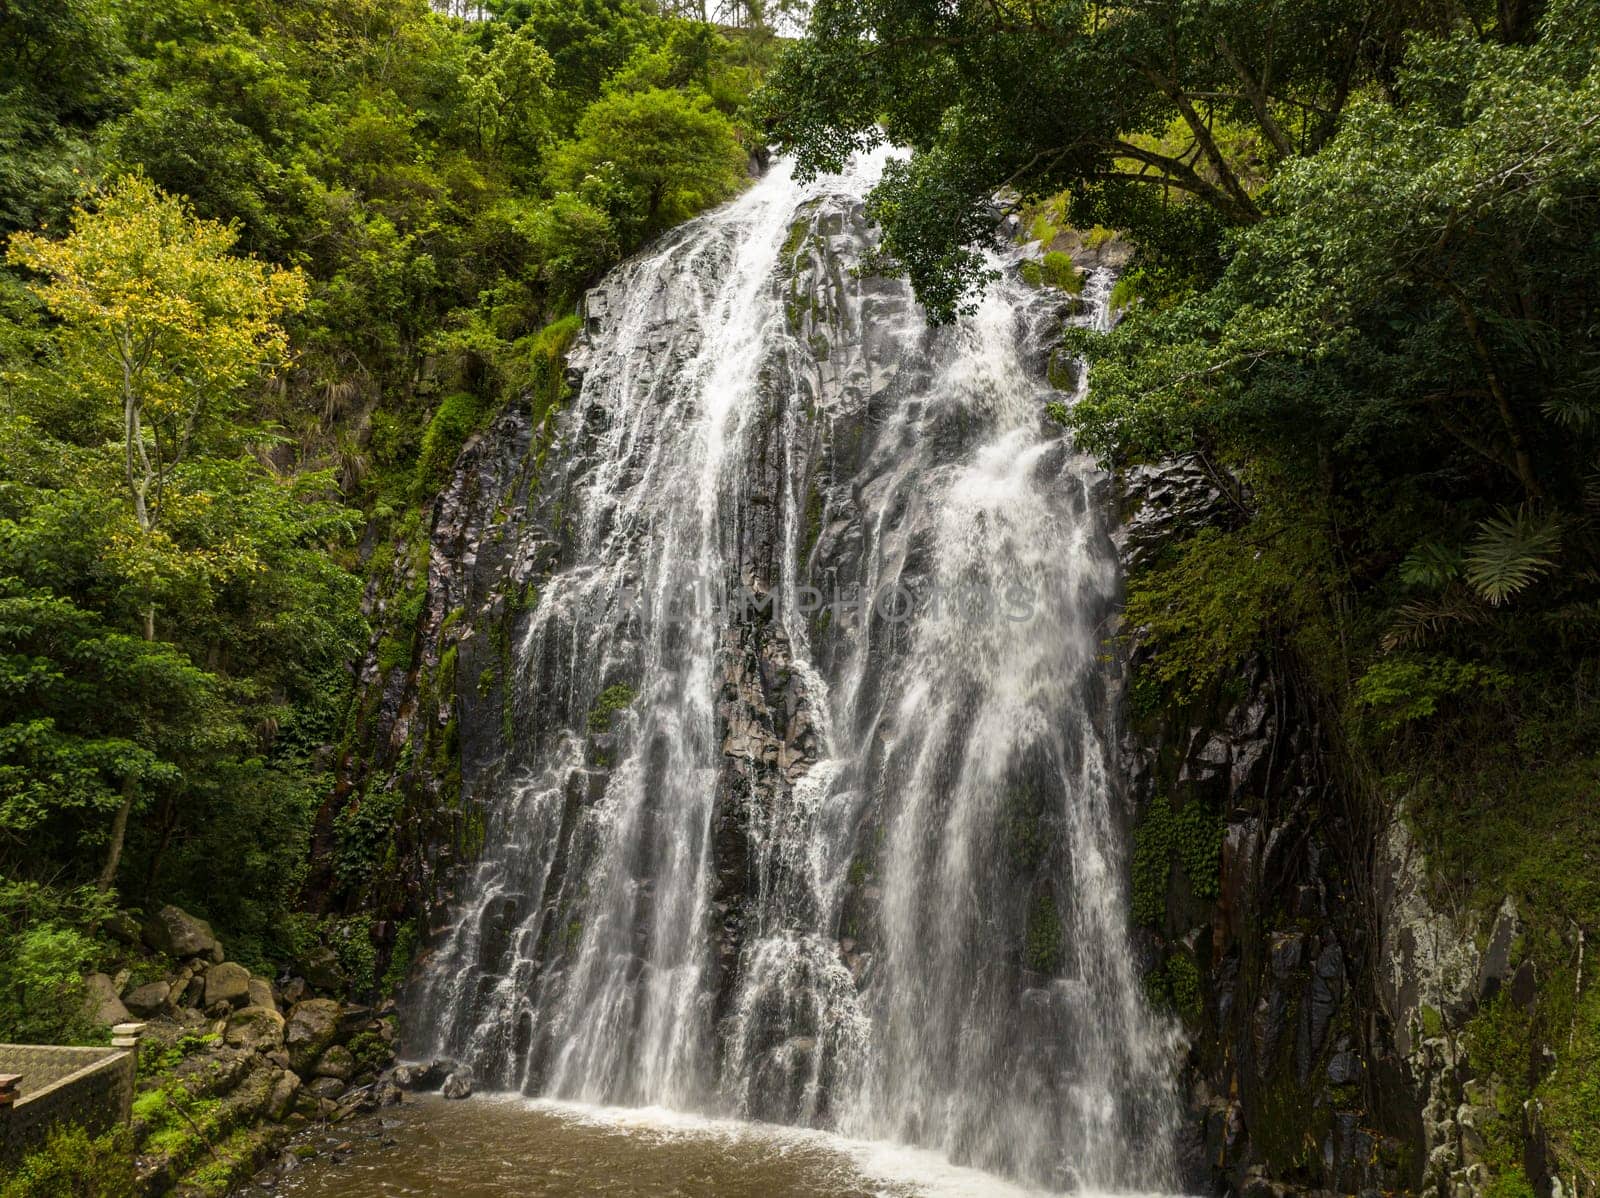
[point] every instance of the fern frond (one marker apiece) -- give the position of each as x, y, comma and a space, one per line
1430, 566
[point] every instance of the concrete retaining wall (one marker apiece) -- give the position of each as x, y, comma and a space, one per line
91, 1087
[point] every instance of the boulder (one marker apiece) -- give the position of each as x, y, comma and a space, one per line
321, 969
122, 927
458, 1085
148, 999
178, 934
284, 1092
325, 1088
381, 1093
313, 1025
101, 1002
227, 983
178, 983
337, 1062
261, 994
257, 1029
423, 1077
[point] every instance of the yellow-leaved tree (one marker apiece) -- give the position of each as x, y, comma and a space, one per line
161, 321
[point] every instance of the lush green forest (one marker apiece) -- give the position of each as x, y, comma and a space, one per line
1366, 299
268, 266
269, 263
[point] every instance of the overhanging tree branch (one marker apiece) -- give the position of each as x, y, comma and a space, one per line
1258, 99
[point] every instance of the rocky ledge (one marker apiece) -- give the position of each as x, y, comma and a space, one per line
233, 1064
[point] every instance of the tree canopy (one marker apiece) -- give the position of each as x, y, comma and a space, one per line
268, 266
1124, 105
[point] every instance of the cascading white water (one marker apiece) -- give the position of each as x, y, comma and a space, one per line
856, 866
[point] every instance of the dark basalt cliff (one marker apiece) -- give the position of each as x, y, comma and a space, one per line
1289, 921
430, 728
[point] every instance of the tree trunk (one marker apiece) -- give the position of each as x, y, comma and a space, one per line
1259, 100
130, 792
1243, 207
169, 824
119, 834
1520, 456
139, 473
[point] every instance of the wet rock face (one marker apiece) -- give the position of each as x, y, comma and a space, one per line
429, 730
1332, 992
1435, 970
1298, 1076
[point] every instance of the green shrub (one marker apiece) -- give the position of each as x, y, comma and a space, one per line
1400, 689
547, 360
455, 420
364, 831
72, 1165
1190, 837
1055, 269
351, 941
612, 700
1043, 951
1175, 986
41, 984
371, 1051
156, 1057
1060, 272
1221, 595
45, 950
400, 958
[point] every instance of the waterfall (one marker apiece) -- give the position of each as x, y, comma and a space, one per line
810, 813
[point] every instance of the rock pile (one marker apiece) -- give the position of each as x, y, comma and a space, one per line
234, 1063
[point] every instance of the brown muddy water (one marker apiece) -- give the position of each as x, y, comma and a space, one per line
502, 1147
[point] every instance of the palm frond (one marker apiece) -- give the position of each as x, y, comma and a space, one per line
1573, 410
1511, 551
1424, 620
